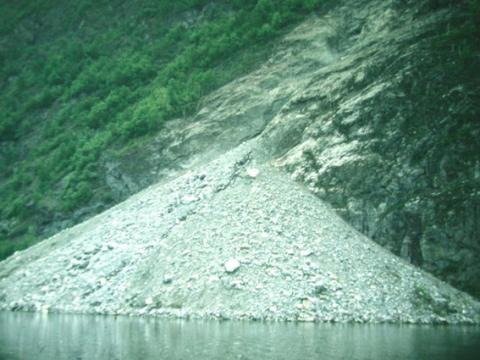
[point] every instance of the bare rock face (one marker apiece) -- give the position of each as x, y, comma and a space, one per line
390, 139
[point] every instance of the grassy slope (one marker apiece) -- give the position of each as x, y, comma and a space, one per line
81, 77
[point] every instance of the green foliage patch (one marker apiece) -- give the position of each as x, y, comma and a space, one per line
82, 77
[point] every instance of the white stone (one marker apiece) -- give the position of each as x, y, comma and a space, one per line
306, 253
189, 198
232, 265
253, 172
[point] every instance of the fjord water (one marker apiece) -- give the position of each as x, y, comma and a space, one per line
41, 336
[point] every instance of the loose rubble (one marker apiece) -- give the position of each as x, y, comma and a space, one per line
258, 248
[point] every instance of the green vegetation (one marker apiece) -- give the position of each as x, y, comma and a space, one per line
422, 300
83, 77
421, 297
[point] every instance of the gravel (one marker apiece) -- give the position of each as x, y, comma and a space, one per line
232, 239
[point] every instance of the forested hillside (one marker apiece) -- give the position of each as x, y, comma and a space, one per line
83, 77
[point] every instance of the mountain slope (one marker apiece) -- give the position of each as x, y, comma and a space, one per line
367, 108
374, 107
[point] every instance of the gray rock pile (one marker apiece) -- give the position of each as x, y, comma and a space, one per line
228, 242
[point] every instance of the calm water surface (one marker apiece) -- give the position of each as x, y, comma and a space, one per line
37, 336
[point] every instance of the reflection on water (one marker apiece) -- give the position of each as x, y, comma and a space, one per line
37, 336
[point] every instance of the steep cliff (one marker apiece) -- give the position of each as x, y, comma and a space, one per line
391, 138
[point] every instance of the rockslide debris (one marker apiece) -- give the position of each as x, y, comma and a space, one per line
219, 243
